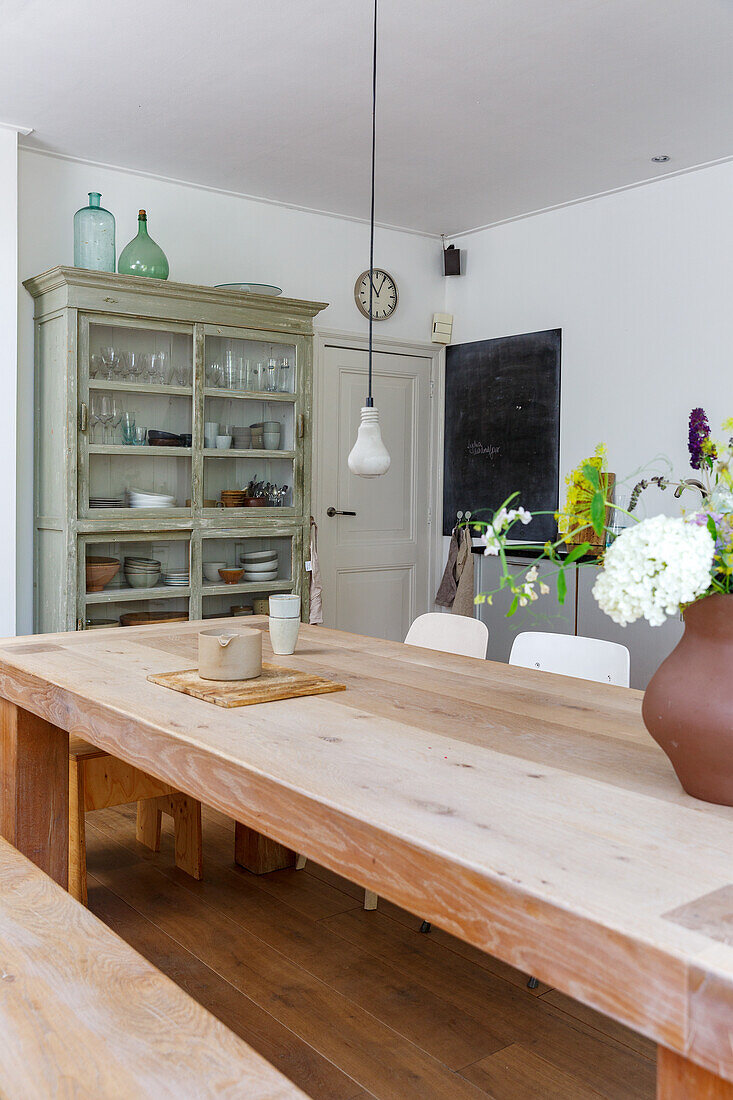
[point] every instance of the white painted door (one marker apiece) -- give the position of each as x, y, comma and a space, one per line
375, 563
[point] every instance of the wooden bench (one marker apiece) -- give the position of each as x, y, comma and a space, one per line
83, 1015
97, 781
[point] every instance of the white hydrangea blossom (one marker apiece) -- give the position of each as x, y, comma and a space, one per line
654, 568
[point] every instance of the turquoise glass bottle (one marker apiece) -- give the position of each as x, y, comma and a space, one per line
94, 236
142, 256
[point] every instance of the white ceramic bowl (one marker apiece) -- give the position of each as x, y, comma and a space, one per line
260, 566
259, 577
142, 580
211, 570
223, 442
258, 555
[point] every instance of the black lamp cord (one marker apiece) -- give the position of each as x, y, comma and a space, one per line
370, 399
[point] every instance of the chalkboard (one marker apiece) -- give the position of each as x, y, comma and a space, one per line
502, 428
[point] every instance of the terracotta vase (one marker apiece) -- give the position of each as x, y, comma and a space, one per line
688, 706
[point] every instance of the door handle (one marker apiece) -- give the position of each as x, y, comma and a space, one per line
331, 512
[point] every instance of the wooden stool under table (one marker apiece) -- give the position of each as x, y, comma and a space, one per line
98, 781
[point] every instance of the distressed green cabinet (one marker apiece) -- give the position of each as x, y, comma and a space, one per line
189, 361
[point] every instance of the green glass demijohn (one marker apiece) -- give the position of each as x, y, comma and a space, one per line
94, 236
142, 256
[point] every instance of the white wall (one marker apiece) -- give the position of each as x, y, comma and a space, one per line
8, 359
641, 284
209, 237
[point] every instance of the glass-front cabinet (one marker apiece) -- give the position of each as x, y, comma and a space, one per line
173, 439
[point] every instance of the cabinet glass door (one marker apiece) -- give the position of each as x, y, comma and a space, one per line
136, 418
251, 420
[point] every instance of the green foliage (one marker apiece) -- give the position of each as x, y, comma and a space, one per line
562, 586
598, 511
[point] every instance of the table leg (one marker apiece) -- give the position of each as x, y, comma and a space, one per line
679, 1079
34, 789
258, 853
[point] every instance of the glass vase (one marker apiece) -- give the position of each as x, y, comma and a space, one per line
94, 236
142, 256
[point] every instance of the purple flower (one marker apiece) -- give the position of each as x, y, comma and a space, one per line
699, 433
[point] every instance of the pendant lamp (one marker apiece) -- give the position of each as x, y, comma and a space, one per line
369, 457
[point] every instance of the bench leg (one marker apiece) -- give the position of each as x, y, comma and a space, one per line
300, 862
679, 1079
147, 829
77, 832
34, 789
370, 899
257, 853
187, 829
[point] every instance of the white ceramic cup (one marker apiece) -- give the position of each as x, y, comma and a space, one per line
223, 442
211, 428
284, 623
285, 606
230, 655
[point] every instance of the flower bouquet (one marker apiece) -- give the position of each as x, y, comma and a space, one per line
655, 568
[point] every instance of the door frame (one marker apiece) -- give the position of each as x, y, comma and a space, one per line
325, 338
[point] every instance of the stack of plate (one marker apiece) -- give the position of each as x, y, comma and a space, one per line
260, 565
142, 572
176, 578
141, 499
233, 498
106, 502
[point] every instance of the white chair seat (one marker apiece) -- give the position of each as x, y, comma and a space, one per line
565, 654
449, 633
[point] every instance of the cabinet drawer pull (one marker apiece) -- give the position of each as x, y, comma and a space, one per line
83, 416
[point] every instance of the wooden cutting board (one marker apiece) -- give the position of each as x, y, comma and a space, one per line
274, 683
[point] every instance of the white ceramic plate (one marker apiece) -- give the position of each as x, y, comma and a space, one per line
251, 288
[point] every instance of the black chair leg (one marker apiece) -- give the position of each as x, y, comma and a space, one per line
532, 983
425, 926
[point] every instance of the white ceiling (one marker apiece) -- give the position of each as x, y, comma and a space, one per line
488, 108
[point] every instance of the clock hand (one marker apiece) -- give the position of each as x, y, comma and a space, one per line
384, 280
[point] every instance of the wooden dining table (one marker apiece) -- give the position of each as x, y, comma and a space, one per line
527, 813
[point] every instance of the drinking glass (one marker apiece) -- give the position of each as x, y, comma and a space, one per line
151, 369
270, 385
95, 414
258, 375
159, 366
285, 377
180, 374
141, 436
116, 417
215, 375
109, 361
106, 413
128, 428
95, 365
134, 365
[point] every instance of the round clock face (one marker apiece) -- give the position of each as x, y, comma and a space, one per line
384, 294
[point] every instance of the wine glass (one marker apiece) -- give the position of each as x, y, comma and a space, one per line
134, 365
95, 415
109, 360
106, 413
116, 416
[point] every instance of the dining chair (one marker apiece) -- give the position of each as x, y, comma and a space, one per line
449, 634
566, 654
98, 781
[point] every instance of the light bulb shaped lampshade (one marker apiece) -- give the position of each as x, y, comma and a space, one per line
369, 457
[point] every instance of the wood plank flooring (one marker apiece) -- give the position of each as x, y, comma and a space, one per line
346, 1003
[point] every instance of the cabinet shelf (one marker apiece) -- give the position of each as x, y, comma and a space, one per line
135, 452
230, 452
251, 395
110, 385
158, 592
212, 589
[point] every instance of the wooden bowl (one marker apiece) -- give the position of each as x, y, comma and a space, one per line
231, 576
100, 571
257, 502
145, 618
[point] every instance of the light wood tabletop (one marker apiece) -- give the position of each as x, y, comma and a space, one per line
529, 814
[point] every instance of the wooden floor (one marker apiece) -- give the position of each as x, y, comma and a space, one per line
348, 1003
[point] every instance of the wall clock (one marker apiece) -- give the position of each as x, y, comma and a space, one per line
384, 296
